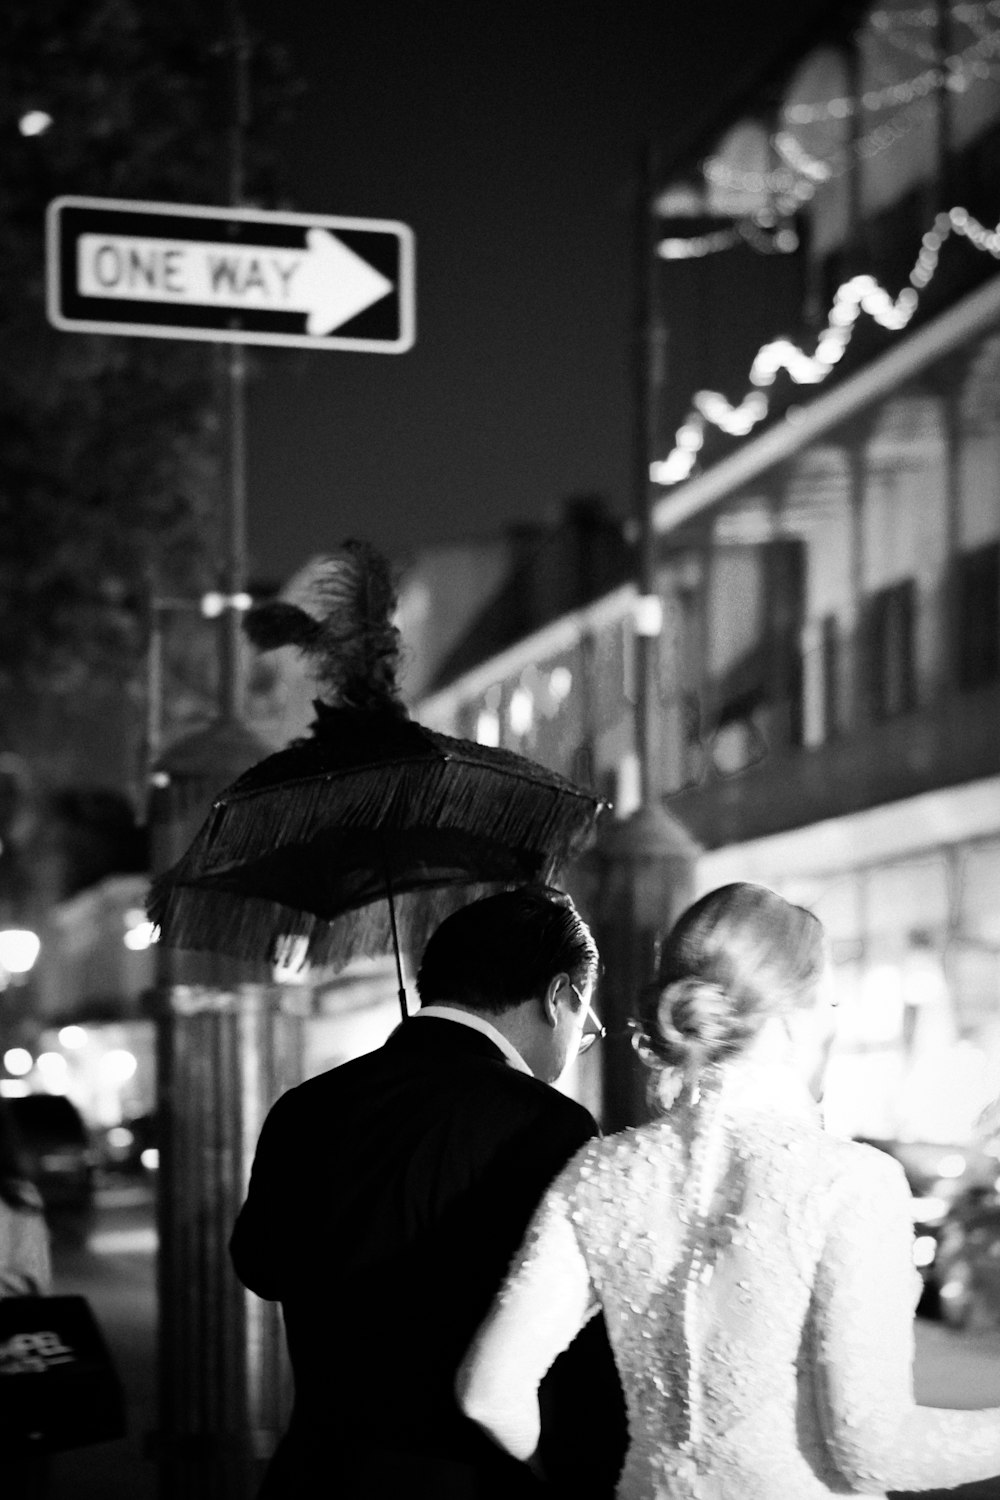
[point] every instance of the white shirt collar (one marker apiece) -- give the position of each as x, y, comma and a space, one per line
480, 1024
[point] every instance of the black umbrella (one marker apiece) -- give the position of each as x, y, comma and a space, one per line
362, 836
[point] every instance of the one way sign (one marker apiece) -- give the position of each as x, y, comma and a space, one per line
237, 276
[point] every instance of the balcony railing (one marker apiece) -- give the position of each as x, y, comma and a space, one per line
863, 718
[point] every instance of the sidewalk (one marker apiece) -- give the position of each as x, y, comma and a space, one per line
957, 1369
117, 1274
960, 1370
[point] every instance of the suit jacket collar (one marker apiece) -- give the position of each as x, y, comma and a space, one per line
436, 1036
478, 1024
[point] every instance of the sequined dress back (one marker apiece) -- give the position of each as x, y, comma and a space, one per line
757, 1280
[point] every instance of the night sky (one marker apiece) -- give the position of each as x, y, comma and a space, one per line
507, 134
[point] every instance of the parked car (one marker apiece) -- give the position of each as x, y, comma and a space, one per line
939, 1175
60, 1158
131, 1146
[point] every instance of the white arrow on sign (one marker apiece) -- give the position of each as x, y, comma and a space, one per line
326, 281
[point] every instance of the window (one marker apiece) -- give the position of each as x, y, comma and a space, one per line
892, 684
977, 615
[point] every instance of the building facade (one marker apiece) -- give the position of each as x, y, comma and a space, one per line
828, 560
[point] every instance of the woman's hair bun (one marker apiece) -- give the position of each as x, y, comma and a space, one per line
694, 1020
737, 956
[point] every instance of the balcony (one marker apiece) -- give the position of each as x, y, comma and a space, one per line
952, 741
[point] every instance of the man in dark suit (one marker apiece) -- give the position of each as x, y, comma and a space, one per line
387, 1199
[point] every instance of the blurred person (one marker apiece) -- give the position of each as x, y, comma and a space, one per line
25, 1263
756, 1273
387, 1199
25, 1271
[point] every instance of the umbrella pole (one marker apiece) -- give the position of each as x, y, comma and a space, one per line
401, 992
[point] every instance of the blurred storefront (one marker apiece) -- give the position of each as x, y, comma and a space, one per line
906, 893
86, 1033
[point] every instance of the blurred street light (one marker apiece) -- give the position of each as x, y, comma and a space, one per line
18, 1060
19, 949
53, 1069
34, 122
140, 937
118, 1065
213, 604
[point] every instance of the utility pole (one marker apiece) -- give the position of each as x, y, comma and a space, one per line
227, 1044
645, 861
234, 513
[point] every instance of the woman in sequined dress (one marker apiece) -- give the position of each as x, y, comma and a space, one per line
755, 1273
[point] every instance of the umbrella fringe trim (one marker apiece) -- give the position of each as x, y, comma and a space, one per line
536, 816
251, 928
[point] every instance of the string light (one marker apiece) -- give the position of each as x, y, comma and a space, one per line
968, 15
793, 152
788, 191
698, 245
768, 239
861, 294
790, 186
955, 73
765, 239
796, 182
777, 183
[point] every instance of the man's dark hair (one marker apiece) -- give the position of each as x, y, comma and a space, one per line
498, 952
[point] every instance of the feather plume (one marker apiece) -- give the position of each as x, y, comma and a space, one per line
343, 627
277, 623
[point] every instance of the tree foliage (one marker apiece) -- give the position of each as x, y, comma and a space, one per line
111, 448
